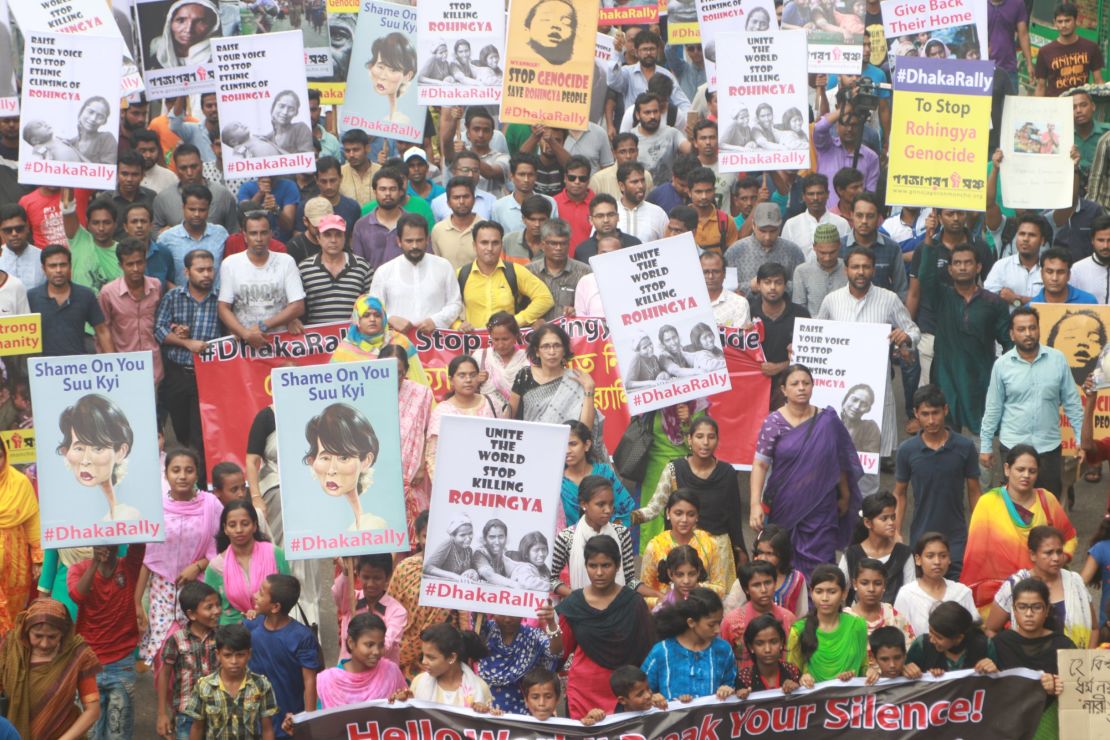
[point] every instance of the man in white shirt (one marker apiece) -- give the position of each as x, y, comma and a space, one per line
13, 296
635, 216
19, 257
1017, 278
1091, 274
260, 290
729, 309
417, 289
800, 228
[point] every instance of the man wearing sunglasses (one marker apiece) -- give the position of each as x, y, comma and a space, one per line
574, 200
19, 257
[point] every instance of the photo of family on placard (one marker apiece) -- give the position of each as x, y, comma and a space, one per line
770, 131
664, 358
88, 143
491, 561
462, 66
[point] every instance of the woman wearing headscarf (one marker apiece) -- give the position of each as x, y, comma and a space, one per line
185, 39
44, 664
369, 332
19, 540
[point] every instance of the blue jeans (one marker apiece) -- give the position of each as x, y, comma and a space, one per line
116, 683
183, 725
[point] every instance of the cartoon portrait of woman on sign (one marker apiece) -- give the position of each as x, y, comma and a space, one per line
342, 449
96, 440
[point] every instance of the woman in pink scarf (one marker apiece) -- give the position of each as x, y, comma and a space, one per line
414, 403
191, 520
245, 558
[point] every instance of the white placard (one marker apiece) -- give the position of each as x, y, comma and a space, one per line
460, 45
1036, 139
721, 16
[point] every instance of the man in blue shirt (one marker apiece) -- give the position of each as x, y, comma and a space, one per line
1028, 386
138, 222
1056, 274
194, 232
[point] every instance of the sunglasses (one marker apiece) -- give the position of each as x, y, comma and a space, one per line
578, 178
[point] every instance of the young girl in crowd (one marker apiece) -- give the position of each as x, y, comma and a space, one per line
245, 558
532, 571
679, 574
513, 650
917, 598
1032, 642
954, 641
772, 545
228, 482
828, 643
1071, 602
869, 586
683, 511
373, 573
367, 674
691, 660
1096, 569
581, 462
595, 497
765, 640
875, 538
447, 677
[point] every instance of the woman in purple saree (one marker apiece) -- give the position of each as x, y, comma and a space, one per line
813, 488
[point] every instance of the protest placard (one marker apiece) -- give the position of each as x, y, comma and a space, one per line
959, 704
652, 292
628, 12
175, 37
70, 112
339, 457
1036, 138
948, 29
938, 140
381, 94
549, 63
849, 364
9, 95
834, 33
492, 525
340, 18
1080, 332
762, 99
263, 104
682, 22
755, 17
82, 18
605, 51
1085, 701
461, 46
98, 454
20, 336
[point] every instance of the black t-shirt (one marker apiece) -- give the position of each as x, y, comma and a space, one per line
926, 320
777, 333
262, 427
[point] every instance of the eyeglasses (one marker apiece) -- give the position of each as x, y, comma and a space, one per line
557, 347
578, 178
604, 214
12, 229
1030, 608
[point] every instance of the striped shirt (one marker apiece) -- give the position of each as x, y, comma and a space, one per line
565, 541
179, 307
330, 298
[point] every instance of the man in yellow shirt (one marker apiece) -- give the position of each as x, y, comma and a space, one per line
487, 287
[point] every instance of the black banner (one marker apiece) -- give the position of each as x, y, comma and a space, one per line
1006, 705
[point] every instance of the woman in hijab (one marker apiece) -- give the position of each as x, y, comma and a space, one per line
185, 39
369, 332
44, 664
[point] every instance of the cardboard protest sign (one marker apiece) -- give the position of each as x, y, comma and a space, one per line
764, 113
1037, 134
9, 96
658, 311
82, 18
20, 336
340, 17
628, 12
1085, 702
175, 37
462, 43
1080, 332
263, 103
492, 525
849, 364
938, 140
755, 17
946, 29
339, 457
549, 62
834, 33
682, 22
98, 451
381, 79
605, 51
70, 111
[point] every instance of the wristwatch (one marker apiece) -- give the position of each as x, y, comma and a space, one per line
263, 328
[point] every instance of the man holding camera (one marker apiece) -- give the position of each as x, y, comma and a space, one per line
838, 140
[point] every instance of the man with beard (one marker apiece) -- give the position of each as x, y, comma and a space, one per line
837, 138
131, 119
626, 148
201, 134
1056, 276
631, 80
467, 164
635, 216
1093, 273
375, 236
138, 223
417, 289
129, 175
1028, 385
329, 179
816, 278
168, 203
659, 143
605, 219
156, 176
186, 321
357, 173
1017, 278
967, 320
552, 27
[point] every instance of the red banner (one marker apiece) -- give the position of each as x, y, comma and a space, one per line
233, 381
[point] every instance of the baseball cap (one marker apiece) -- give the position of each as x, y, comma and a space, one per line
316, 208
415, 151
766, 214
332, 221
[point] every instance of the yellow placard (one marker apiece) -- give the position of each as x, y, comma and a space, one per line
20, 444
20, 335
